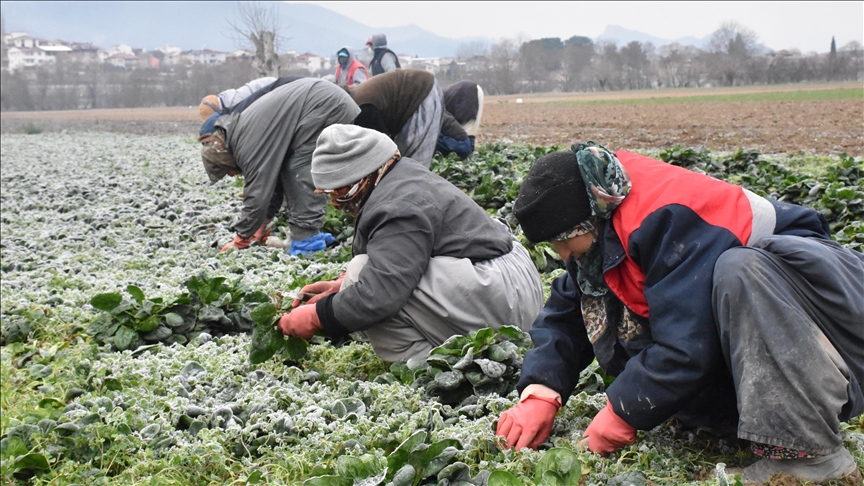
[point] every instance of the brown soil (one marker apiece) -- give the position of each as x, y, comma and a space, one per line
821, 127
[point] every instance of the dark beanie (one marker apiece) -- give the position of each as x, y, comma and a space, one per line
552, 198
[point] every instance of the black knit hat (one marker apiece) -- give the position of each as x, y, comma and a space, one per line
552, 198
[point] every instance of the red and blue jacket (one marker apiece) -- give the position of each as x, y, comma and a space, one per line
660, 247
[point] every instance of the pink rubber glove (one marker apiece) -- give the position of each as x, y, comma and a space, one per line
608, 432
239, 243
314, 292
263, 232
302, 322
529, 423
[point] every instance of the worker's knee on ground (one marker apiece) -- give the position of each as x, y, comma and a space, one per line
734, 269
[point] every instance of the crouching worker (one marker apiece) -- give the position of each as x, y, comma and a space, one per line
270, 143
406, 105
428, 262
460, 124
710, 304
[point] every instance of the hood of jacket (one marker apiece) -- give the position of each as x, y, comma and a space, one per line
350, 53
378, 41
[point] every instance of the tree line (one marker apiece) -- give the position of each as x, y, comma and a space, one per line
732, 57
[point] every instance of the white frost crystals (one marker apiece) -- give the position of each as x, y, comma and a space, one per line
87, 213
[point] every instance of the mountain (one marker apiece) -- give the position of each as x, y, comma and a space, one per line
622, 37
199, 25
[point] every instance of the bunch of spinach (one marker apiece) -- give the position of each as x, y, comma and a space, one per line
483, 362
415, 461
212, 305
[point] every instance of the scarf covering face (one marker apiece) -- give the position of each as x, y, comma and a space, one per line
217, 160
607, 183
353, 201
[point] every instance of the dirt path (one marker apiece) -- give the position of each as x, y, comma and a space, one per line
821, 126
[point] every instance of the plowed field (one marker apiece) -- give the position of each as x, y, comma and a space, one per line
772, 119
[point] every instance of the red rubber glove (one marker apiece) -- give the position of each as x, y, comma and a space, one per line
529, 423
302, 322
263, 232
239, 243
609, 432
314, 292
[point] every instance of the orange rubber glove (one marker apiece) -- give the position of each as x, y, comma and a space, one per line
314, 292
302, 322
608, 432
529, 423
239, 242
263, 232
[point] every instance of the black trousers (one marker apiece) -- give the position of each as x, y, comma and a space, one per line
790, 315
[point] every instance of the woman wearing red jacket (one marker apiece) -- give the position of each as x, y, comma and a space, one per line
710, 305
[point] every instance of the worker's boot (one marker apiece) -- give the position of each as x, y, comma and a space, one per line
837, 465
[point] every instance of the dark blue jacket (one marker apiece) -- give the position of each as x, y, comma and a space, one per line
660, 247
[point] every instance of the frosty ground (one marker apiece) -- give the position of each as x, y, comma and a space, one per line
91, 212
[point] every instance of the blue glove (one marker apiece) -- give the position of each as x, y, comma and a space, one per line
311, 245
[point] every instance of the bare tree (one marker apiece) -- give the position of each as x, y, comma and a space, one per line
504, 57
467, 50
259, 25
731, 47
608, 66
575, 60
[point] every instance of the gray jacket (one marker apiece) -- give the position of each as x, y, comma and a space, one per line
411, 216
270, 134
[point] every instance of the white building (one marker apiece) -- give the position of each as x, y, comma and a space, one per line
430, 64
123, 60
310, 62
121, 48
21, 57
207, 56
169, 50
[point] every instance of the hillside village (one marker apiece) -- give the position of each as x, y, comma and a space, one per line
22, 51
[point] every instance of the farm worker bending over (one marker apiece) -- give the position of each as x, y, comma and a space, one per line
349, 71
271, 144
236, 100
463, 109
711, 304
406, 105
428, 262
383, 59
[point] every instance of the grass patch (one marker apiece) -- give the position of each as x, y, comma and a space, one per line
770, 96
31, 129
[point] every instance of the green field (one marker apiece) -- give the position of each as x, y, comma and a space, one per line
767, 96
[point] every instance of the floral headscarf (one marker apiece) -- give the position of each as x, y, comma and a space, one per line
605, 178
607, 184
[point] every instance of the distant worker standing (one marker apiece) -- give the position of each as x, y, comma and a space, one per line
271, 144
349, 71
383, 59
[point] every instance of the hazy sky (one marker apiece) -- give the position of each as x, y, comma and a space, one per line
807, 26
